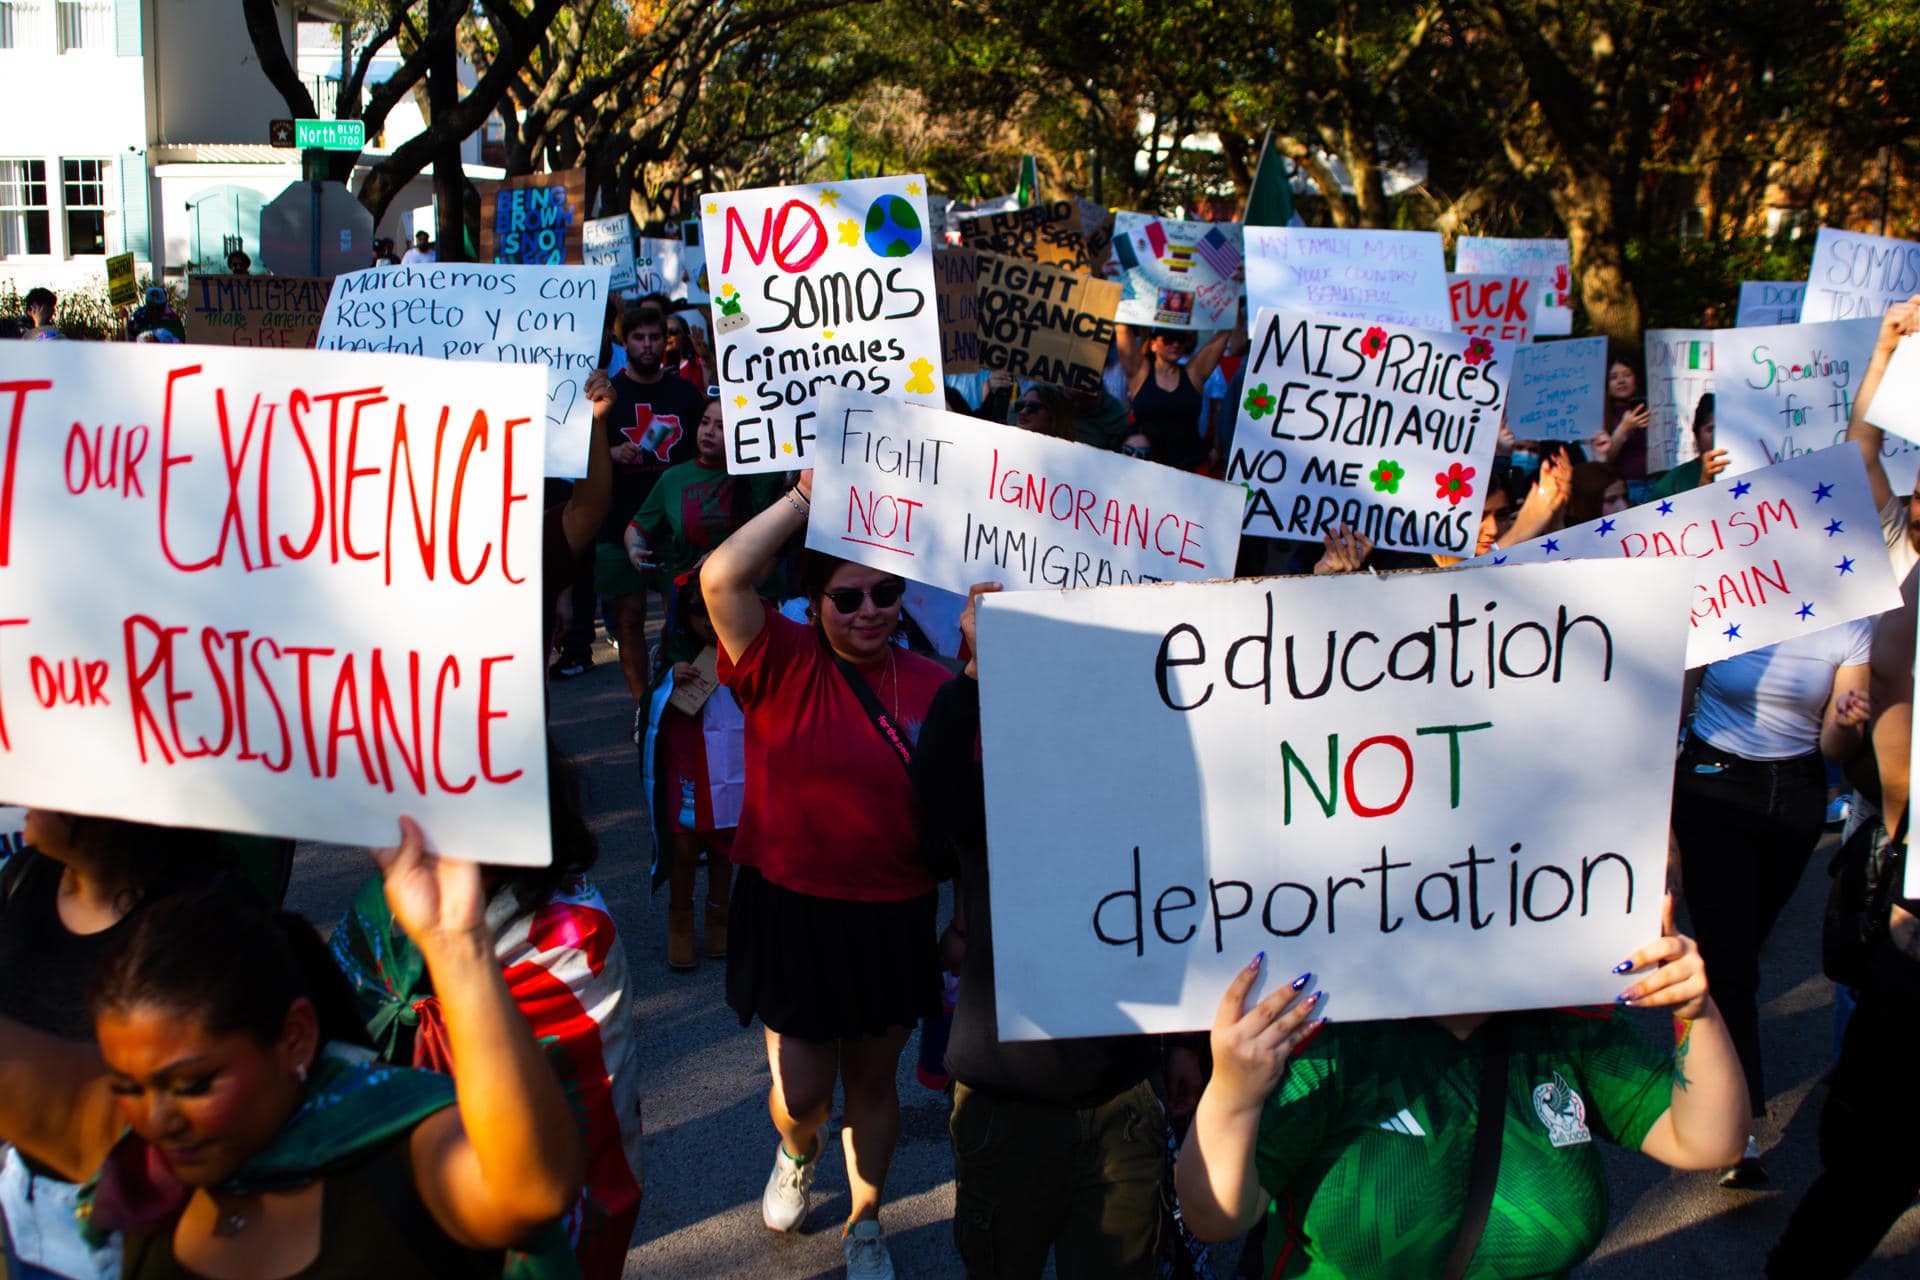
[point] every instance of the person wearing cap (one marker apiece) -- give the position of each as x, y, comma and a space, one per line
156, 314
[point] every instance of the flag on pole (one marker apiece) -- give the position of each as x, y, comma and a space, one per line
1029, 190
1270, 201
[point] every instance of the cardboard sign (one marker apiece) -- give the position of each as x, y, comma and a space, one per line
1679, 372
1048, 233
1040, 323
256, 311
608, 242
1857, 276
1493, 306
950, 501
1387, 429
691, 694
1766, 302
1896, 405
1384, 277
955, 272
1325, 769
1558, 391
312, 594
1178, 275
1776, 553
829, 285
1548, 262
122, 291
536, 219
545, 316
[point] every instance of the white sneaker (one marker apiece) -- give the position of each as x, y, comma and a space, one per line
866, 1250
783, 1206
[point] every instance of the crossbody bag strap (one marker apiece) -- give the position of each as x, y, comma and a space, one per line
890, 733
1490, 1124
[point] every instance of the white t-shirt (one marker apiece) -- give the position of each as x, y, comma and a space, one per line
1768, 704
412, 256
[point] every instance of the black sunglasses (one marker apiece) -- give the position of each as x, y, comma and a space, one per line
1028, 406
884, 596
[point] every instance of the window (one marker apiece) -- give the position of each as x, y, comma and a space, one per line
85, 24
25, 224
23, 25
84, 193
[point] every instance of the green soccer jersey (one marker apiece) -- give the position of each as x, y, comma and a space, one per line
1367, 1145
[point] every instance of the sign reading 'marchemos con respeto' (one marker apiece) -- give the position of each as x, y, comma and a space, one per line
1332, 766
949, 500
1387, 429
288, 593
829, 285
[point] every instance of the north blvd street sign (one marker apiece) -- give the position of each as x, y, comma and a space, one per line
330, 135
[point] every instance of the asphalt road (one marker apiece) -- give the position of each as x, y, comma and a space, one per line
710, 1144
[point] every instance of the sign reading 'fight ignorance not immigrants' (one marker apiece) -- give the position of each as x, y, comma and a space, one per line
1043, 324
1333, 763
1387, 429
818, 286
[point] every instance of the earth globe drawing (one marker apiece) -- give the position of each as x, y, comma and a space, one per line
893, 228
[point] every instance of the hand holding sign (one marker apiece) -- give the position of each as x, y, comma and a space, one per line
1251, 1046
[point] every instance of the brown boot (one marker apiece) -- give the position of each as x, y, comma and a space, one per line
716, 930
680, 938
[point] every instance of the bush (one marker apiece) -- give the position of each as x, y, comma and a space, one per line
1679, 281
82, 313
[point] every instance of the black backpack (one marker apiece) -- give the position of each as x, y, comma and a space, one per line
1868, 871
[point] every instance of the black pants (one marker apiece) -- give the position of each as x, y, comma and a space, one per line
1746, 829
1870, 1162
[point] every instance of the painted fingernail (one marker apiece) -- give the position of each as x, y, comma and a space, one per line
1314, 1028
1623, 966
1623, 998
1300, 982
1315, 999
1257, 961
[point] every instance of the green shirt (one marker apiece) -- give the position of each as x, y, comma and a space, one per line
1367, 1145
693, 508
1681, 479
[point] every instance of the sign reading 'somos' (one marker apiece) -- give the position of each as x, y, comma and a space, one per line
815, 286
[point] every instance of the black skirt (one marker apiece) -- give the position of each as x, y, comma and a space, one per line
825, 969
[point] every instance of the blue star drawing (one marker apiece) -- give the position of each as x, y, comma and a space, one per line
1606, 527
1833, 527
1550, 546
1732, 632
1821, 493
1666, 507
1499, 559
1740, 488
1806, 610
1845, 566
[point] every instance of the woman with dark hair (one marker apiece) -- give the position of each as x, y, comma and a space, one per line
1622, 440
1047, 410
832, 920
1165, 377
1597, 489
1707, 462
235, 1131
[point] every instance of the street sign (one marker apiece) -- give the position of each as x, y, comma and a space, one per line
121, 289
280, 133
330, 135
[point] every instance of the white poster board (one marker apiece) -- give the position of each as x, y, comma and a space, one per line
1178, 275
1548, 261
1858, 276
1896, 405
1325, 769
1558, 391
1387, 429
608, 242
693, 264
311, 593
664, 266
949, 500
491, 313
1384, 277
1765, 302
1776, 554
827, 285
1679, 372
1493, 306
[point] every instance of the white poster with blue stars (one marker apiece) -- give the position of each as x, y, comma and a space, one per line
1777, 553
828, 284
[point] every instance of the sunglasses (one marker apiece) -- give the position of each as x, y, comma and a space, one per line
884, 596
1023, 407
1134, 450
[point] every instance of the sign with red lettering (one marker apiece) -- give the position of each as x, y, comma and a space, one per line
289, 593
1493, 306
949, 500
828, 285
1323, 769
1775, 554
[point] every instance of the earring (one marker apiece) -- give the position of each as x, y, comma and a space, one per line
300, 1073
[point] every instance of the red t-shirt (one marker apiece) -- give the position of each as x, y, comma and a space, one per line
829, 809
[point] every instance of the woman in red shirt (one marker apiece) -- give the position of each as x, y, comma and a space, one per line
832, 917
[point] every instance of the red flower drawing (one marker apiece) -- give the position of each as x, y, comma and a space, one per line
1454, 484
1479, 349
1374, 343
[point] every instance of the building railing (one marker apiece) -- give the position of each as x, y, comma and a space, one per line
60, 26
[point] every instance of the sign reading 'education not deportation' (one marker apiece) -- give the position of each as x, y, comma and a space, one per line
1324, 769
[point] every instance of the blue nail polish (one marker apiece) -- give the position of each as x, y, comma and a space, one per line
1256, 962
1623, 966
1300, 982
1623, 998
1316, 998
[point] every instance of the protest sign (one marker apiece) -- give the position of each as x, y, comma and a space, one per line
1776, 553
1386, 277
1493, 306
256, 311
1547, 261
1041, 323
1178, 275
288, 593
1856, 276
949, 500
536, 219
1325, 769
1784, 390
493, 314
693, 265
958, 298
1766, 302
1048, 233
662, 266
122, 291
1679, 372
818, 286
1558, 389
1387, 429
608, 242
1896, 405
